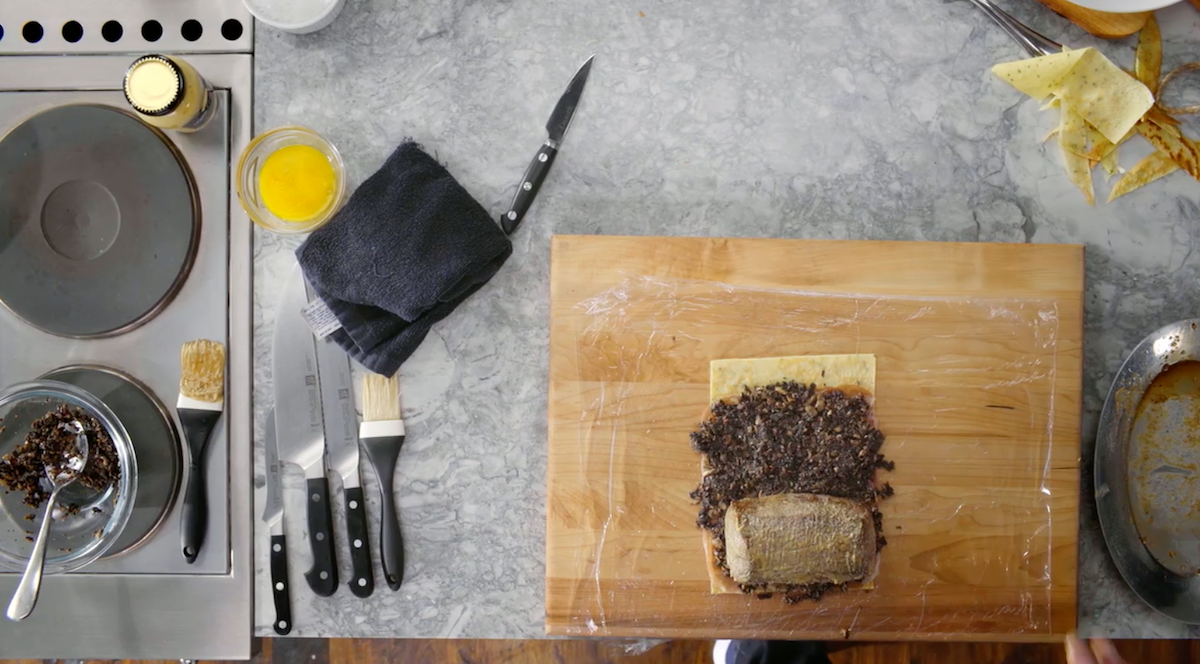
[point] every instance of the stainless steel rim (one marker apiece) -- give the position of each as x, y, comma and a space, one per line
193, 242
1175, 596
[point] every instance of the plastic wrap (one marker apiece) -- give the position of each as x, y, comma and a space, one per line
982, 527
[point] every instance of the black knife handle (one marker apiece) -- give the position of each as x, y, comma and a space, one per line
322, 578
194, 513
382, 452
528, 189
198, 426
363, 583
279, 585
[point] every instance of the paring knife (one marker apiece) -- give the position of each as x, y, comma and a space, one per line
556, 126
341, 447
273, 517
301, 428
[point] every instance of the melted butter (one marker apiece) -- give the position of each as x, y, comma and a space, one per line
297, 183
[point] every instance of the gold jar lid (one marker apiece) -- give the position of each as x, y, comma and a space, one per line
154, 85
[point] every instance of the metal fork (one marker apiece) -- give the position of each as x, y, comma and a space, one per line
1031, 40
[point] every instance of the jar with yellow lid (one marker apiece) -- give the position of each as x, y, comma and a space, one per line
169, 93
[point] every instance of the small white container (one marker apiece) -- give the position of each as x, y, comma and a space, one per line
295, 16
1124, 6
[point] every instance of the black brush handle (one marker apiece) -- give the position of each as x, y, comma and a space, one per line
531, 182
363, 583
322, 578
198, 426
382, 452
279, 585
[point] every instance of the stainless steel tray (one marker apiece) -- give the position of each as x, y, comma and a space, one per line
1148, 482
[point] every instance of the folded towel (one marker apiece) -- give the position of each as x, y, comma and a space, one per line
408, 247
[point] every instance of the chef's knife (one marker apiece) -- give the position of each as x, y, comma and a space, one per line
535, 174
341, 447
273, 517
300, 426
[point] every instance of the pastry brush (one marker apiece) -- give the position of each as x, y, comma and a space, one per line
201, 400
381, 435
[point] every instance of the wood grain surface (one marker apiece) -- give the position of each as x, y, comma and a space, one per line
601, 651
978, 351
1101, 24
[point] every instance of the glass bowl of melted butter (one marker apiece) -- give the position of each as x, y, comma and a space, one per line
291, 180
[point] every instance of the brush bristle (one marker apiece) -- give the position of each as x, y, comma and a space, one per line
381, 398
202, 370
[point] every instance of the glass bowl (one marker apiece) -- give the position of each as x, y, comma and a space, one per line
250, 166
295, 17
75, 539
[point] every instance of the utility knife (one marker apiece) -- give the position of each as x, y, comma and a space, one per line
341, 447
273, 517
556, 127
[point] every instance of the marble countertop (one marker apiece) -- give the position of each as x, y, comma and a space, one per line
811, 119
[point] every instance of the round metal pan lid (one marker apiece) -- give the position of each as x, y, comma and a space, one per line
98, 221
1147, 473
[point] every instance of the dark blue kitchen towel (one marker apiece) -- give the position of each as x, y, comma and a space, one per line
408, 247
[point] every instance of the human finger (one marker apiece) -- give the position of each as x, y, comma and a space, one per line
1078, 651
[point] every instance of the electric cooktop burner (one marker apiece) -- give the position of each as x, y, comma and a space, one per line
156, 445
98, 221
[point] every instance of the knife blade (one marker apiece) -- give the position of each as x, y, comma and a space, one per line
556, 127
300, 426
341, 448
273, 517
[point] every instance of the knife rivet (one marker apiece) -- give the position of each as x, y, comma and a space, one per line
316, 498
279, 586
541, 156
324, 575
512, 214
358, 544
527, 186
362, 583
277, 548
353, 504
320, 537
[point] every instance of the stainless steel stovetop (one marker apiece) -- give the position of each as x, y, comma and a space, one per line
147, 602
149, 353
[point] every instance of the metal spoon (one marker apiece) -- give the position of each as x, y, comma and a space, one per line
1033, 41
61, 476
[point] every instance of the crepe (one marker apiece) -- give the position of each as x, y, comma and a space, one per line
1088, 83
727, 379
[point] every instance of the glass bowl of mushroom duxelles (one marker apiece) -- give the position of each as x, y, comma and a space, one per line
93, 509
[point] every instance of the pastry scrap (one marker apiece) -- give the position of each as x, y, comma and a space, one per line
788, 499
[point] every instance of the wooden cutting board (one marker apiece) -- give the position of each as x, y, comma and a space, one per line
978, 350
1101, 24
